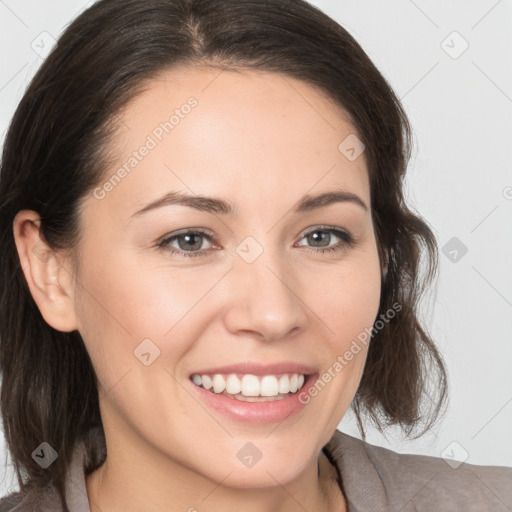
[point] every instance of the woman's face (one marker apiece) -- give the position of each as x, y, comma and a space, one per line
188, 288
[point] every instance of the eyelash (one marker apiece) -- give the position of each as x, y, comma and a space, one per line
347, 241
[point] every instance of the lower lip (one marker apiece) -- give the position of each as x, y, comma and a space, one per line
274, 411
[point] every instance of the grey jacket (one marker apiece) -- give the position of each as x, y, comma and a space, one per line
373, 479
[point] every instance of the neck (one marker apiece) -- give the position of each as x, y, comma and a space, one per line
128, 482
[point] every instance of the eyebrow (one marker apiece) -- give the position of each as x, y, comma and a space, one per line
223, 207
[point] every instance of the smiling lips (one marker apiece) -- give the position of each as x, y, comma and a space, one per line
254, 382
249, 387
254, 393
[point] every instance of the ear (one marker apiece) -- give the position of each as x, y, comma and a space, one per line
50, 282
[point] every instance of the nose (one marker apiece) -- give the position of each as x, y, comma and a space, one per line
264, 299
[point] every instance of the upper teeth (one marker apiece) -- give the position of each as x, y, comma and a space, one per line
250, 385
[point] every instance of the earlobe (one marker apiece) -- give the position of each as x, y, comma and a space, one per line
50, 283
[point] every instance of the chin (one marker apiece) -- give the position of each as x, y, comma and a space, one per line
253, 467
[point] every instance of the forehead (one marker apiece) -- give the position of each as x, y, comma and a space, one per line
252, 134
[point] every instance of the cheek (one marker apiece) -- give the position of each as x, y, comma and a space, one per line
126, 304
346, 300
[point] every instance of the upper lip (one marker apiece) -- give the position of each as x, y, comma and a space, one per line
259, 369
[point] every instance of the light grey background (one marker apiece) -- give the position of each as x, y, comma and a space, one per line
460, 181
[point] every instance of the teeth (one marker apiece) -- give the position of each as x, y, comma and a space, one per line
284, 384
250, 386
206, 381
219, 384
269, 386
293, 383
233, 385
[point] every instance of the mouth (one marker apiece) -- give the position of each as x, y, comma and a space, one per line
249, 387
254, 393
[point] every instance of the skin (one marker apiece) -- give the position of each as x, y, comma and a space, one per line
261, 141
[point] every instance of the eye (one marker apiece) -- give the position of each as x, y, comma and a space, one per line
323, 235
189, 243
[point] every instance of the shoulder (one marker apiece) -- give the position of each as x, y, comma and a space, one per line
10, 501
373, 476
36, 500
89, 453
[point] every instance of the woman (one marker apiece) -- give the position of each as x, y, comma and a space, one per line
207, 259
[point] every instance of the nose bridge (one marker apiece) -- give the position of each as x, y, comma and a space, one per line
263, 299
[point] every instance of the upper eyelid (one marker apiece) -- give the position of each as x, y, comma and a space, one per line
323, 227
185, 231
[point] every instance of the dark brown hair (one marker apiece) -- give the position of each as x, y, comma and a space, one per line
57, 151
